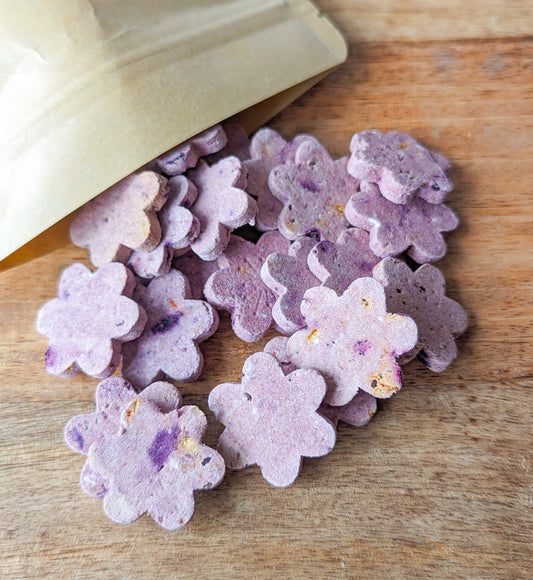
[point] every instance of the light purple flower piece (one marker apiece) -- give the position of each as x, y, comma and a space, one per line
400, 166
271, 419
416, 226
358, 412
121, 219
338, 264
421, 295
314, 190
179, 229
186, 155
196, 270
91, 318
169, 343
268, 149
238, 287
154, 463
289, 276
352, 340
222, 205
112, 396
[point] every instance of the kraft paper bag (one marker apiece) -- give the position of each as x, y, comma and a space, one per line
91, 90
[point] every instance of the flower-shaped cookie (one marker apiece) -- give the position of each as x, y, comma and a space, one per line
91, 318
238, 287
271, 419
400, 166
268, 149
416, 226
222, 205
154, 463
421, 295
121, 219
289, 276
186, 155
314, 190
175, 326
179, 228
338, 264
352, 340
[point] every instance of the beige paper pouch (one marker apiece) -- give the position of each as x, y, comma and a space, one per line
91, 90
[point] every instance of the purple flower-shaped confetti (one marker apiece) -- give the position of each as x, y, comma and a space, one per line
179, 229
121, 219
400, 166
421, 295
222, 205
175, 326
271, 419
314, 190
186, 155
154, 464
91, 318
289, 276
338, 264
416, 226
352, 340
238, 287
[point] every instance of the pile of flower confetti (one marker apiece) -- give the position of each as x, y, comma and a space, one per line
342, 269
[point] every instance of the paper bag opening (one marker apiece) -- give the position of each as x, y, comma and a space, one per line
93, 90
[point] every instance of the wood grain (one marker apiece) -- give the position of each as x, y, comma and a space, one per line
440, 483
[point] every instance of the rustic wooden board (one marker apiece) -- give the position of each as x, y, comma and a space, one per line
440, 483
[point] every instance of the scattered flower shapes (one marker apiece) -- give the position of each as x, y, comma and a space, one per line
421, 295
175, 326
415, 226
154, 463
179, 229
400, 166
121, 219
91, 318
352, 340
271, 419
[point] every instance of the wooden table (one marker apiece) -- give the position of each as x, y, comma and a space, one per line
440, 483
